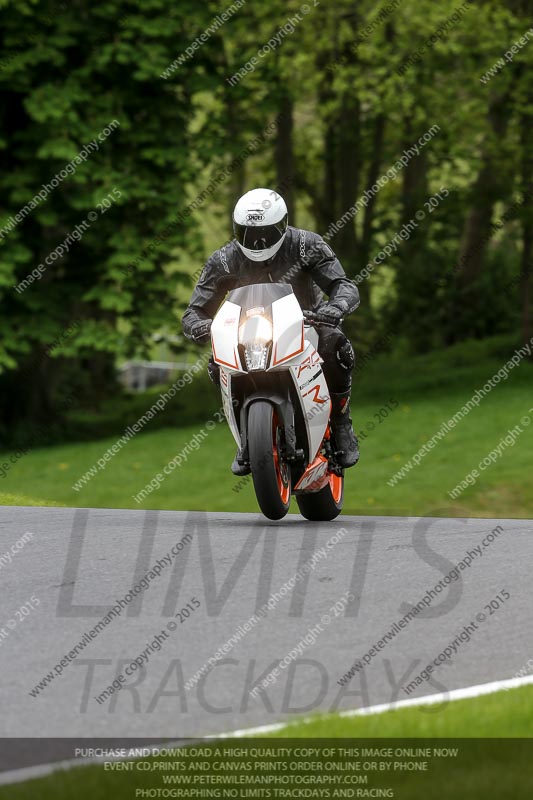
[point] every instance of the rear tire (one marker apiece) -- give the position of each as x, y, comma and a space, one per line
271, 479
325, 505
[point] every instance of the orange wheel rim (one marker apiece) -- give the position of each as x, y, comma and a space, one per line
335, 485
283, 483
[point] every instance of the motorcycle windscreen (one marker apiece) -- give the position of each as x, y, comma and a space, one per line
270, 307
258, 297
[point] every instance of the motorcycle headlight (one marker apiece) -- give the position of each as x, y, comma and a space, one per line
255, 355
255, 335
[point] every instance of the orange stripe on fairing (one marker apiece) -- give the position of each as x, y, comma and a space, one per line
226, 363
286, 358
316, 398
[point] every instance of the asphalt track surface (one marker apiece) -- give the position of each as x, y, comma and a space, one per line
80, 562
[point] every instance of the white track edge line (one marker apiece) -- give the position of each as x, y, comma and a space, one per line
41, 770
425, 700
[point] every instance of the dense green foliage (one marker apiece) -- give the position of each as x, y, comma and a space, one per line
343, 92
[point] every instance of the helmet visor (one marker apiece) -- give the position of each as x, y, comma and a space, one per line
260, 237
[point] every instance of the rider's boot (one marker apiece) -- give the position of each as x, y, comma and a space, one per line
239, 469
345, 442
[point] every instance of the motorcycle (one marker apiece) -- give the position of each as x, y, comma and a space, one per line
276, 400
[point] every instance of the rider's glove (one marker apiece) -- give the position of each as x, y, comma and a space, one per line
201, 330
330, 314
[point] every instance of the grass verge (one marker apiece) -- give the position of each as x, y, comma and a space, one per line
397, 407
486, 769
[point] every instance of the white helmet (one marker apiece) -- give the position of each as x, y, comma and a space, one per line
260, 223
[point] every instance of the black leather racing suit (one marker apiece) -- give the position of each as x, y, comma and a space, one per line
311, 267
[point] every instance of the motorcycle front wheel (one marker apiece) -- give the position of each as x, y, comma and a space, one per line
271, 477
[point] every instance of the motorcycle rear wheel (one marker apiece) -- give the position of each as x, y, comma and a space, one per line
272, 482
325, 505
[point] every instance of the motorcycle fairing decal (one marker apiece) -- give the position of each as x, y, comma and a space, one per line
304, 365
315, 476
257, 310
314, 405
309, 362
311, 379
316, 389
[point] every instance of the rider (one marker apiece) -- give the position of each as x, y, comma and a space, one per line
266, 248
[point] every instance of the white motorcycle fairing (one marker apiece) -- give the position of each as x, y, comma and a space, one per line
265, 351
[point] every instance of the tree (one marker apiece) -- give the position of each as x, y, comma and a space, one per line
81, 75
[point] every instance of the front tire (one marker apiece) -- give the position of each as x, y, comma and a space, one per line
325, 505
271, 478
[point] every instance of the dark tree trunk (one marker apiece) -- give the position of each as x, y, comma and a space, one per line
525, 280
414, 297
488, 188
348, 171
376, 161
414, 187
347, 160
477, 226
237, 178
527, 216
373, 175
331, 204
321, 188
284, 154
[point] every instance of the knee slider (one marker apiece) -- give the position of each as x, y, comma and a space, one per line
213, 371
346, 356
